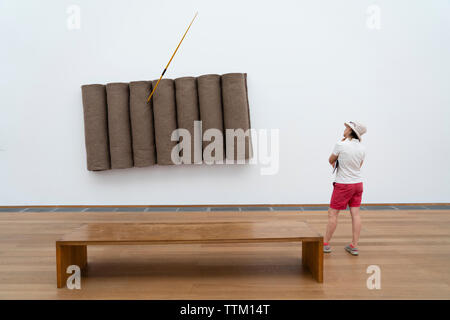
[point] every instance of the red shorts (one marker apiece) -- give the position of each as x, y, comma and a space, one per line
346, 194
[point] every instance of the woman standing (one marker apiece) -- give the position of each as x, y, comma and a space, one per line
347, 159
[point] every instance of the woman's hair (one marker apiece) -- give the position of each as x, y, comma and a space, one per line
354, 135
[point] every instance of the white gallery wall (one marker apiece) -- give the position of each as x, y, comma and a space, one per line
311, 66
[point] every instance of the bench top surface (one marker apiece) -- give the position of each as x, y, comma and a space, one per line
122, 233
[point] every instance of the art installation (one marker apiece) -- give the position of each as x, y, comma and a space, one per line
123, 130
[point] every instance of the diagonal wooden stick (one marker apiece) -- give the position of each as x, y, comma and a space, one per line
165, 69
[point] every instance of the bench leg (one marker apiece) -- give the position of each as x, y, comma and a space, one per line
66, 256
312, 258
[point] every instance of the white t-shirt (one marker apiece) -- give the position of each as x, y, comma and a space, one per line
350, 154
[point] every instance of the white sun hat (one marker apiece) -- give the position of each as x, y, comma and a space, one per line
359, 128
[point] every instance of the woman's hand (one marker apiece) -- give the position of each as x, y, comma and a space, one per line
332, 159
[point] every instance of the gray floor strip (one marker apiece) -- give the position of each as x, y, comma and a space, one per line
192, 209
214, 209
438, 207
380, 208
156, 209
11, 209
100, 209
38, 209
130, 209
255, 208
225, 209
315, 208
410, 207
287, 208
69, 209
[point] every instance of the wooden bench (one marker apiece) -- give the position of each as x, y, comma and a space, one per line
71, 249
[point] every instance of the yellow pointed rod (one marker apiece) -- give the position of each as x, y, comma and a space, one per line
162, 74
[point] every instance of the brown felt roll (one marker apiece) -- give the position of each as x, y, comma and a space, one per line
236, 113
210, 102
119, 125
165, 119
142, 132
96, 127
187, 113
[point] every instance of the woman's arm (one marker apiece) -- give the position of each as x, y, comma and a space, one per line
332, 159
335, 154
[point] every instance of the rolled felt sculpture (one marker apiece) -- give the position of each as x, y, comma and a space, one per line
210, 102
236, 115
123, 130
96, 127
165, 119
142, 131
187, 114
120, 145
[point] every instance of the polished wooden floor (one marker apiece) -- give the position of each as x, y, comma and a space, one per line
412, 248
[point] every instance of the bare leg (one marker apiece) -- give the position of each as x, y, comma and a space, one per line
356, 225
332, 223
